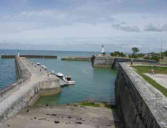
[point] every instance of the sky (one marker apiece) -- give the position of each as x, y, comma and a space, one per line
83, 25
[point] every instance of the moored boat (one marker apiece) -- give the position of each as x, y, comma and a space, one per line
67, 79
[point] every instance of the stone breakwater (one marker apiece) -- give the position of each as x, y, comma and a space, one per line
113, 62
30, 56
33, 81
140, 104
76, 58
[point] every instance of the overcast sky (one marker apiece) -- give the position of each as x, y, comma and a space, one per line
83, 24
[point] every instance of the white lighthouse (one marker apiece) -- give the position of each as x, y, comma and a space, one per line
18, 53
102, 49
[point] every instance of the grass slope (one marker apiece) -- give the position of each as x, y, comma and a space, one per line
147, 69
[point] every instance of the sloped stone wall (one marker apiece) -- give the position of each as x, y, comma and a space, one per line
140, 104
113, 62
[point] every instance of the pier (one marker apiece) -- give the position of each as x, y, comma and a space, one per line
33, 82
31, 56
76, 58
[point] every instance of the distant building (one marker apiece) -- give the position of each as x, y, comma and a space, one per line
149, 55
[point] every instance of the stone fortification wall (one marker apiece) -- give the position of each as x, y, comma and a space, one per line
113, 62
102, 61
140, 104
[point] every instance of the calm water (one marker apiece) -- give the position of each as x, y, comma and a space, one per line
95, 84
7, 72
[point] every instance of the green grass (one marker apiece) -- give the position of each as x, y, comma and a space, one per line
89, 104
147, 69
95, 104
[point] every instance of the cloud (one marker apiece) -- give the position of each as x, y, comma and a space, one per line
153, 28
63, 21
126, 28
57, 17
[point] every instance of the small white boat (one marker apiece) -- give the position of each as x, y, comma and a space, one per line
60, 74
67, 79
71, 82
38, 64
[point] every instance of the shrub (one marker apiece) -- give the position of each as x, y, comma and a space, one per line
103, 53
147, 58
164, 53
117, 53
140, 55
155, 58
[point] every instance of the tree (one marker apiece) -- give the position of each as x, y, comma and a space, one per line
135, 50
164, 53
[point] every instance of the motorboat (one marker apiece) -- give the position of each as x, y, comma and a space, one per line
38, 63
60, 75
67, 79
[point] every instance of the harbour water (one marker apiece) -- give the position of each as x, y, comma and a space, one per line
91, 83
7, 72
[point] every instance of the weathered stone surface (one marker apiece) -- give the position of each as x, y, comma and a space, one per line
141, 105
32, 79
102, 61
64, 117
76, 58
113, 62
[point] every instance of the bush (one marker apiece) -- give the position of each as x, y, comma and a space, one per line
118, 54
103, 53
132, 56
164, 53
140, 55
155, 58
147, 58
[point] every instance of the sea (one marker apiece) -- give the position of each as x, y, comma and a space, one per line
94, 84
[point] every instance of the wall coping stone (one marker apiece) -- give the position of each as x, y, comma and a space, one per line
153, 98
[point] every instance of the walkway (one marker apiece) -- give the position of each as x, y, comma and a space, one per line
19, 97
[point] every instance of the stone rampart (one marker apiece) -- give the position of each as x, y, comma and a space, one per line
102, 61
140, 104
113, 62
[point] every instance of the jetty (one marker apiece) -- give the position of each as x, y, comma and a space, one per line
30, 56
76, 58
33, 81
